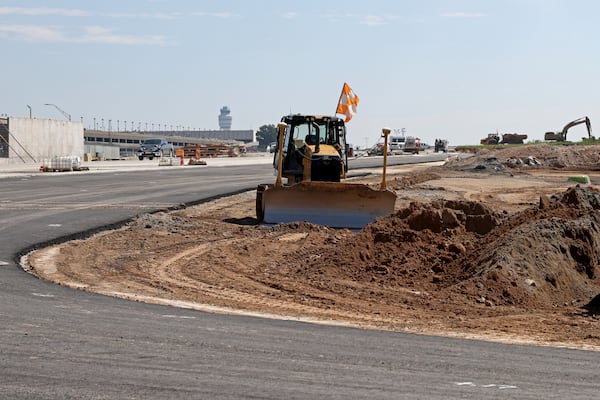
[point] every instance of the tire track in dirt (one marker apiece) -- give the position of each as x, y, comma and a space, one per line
221, 283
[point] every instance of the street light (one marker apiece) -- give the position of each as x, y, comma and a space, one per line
28, 106
66, 115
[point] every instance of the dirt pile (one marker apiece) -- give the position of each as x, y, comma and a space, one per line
530, 156
546, 256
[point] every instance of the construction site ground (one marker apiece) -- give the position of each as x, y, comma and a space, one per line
501, 246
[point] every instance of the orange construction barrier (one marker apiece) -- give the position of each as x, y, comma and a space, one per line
179, 153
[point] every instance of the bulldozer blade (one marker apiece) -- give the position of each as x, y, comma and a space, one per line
334, 204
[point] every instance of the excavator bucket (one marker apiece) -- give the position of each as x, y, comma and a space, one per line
334, 204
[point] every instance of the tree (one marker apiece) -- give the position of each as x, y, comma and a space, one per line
266, 134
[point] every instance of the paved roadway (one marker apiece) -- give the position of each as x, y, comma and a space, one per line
58, 343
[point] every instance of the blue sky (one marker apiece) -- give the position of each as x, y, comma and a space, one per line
451, 69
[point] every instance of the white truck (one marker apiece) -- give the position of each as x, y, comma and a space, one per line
412, 144
397, 143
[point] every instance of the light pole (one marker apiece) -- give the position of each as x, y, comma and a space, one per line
28, 106
65, 114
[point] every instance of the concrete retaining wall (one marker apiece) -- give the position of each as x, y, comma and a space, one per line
103, 151
32, 140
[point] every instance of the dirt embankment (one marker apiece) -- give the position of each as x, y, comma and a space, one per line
499, 246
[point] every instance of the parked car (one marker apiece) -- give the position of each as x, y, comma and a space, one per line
272, 147
155, 148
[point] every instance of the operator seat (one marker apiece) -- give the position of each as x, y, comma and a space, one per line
311, 140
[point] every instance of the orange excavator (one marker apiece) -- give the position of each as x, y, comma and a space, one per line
311, 157
562, 135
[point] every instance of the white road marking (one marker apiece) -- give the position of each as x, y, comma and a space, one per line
42, 295
3, 262
177, 316
486, 386
55, 225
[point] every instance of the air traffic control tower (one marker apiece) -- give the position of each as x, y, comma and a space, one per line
225, 119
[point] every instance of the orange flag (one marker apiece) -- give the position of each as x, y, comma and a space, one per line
347, 103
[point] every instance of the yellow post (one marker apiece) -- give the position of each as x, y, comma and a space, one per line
281, 126
385, 134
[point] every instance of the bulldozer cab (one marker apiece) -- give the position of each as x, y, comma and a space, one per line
317, 140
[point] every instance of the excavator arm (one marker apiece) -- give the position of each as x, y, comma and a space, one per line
571, 124
562, 135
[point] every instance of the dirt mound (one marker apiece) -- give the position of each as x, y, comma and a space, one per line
530, 156
401, 182
543, 256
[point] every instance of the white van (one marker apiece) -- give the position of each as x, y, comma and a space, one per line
396, 143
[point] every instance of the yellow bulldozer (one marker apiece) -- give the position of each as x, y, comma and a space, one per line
312, 157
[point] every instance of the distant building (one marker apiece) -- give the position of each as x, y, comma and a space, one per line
225, 119
26, 140
129, 141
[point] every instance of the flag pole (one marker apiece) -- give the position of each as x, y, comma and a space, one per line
340, 99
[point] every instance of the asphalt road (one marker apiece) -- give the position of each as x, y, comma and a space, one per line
58, 343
